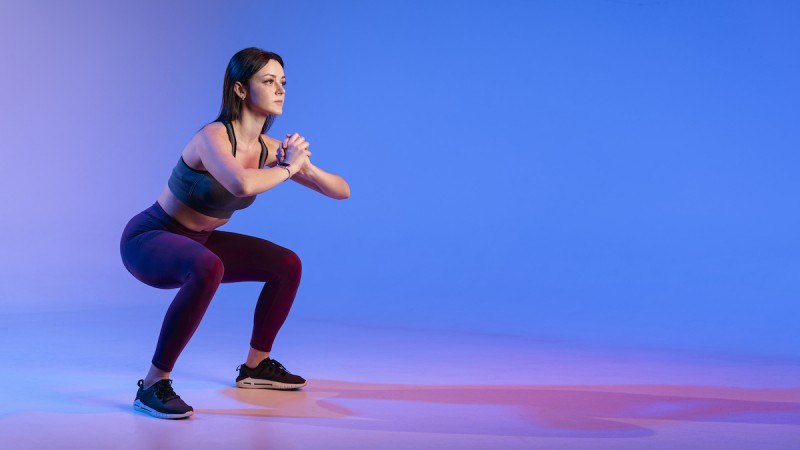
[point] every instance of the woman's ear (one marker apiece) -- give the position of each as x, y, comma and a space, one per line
239, 90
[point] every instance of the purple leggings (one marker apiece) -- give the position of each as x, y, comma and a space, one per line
161, 252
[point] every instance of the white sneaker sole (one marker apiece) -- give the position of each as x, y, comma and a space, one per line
139, 406
255, 383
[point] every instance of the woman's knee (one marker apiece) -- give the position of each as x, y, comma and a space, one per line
292, 266
207, 267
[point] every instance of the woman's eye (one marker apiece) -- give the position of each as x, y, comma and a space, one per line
270, 81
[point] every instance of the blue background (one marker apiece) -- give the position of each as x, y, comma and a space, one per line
606, 171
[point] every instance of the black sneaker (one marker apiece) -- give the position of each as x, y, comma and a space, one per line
269, 374
159, 400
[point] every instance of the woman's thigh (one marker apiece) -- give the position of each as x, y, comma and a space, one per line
162, 259
248, 258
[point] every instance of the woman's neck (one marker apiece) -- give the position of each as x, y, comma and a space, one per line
248, 127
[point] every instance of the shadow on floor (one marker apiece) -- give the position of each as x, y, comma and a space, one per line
522, 410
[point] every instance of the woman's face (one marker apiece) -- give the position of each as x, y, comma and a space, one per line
266, 89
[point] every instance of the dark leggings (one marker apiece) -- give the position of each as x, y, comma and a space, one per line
161, 252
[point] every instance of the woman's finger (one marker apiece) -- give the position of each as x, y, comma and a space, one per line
293, 137
285, 143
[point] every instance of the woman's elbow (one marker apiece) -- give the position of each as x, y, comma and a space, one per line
344, 194
241, 188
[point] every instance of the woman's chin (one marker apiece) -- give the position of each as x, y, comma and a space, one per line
271, 111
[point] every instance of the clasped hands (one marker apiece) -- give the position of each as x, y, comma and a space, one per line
294, 151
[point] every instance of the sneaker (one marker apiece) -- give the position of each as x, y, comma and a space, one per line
269, 374
159, 400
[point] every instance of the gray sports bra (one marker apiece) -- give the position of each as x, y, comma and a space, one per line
200, 191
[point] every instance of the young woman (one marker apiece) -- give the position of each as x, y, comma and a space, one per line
175, 242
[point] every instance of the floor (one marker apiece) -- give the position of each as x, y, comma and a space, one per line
69, 379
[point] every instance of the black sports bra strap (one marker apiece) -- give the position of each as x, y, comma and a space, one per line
264, 153
231, 136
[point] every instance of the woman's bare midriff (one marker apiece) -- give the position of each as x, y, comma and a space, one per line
187, 217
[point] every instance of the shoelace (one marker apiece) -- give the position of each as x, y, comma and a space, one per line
271, 365
164, 390
278, 366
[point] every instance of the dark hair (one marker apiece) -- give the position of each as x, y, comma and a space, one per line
243, 65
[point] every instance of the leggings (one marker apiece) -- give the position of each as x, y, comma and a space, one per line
161, 252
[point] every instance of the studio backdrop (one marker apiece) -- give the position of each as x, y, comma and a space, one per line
591, 170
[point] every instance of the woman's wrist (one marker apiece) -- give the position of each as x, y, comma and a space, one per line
289, 172
306, 169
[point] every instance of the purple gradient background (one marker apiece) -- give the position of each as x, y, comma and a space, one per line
615, 171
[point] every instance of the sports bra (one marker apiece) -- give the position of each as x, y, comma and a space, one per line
199, 190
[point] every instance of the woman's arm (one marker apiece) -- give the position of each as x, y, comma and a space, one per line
213, 149
311, 176
323, 182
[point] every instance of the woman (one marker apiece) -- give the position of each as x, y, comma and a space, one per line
175, 242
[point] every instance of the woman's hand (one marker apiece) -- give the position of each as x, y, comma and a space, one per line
294, 152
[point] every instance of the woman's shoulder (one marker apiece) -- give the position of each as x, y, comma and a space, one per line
212, 137
272, 150
214, 129
272, 146
214, 134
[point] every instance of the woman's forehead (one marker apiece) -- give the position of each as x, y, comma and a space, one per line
271, 68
